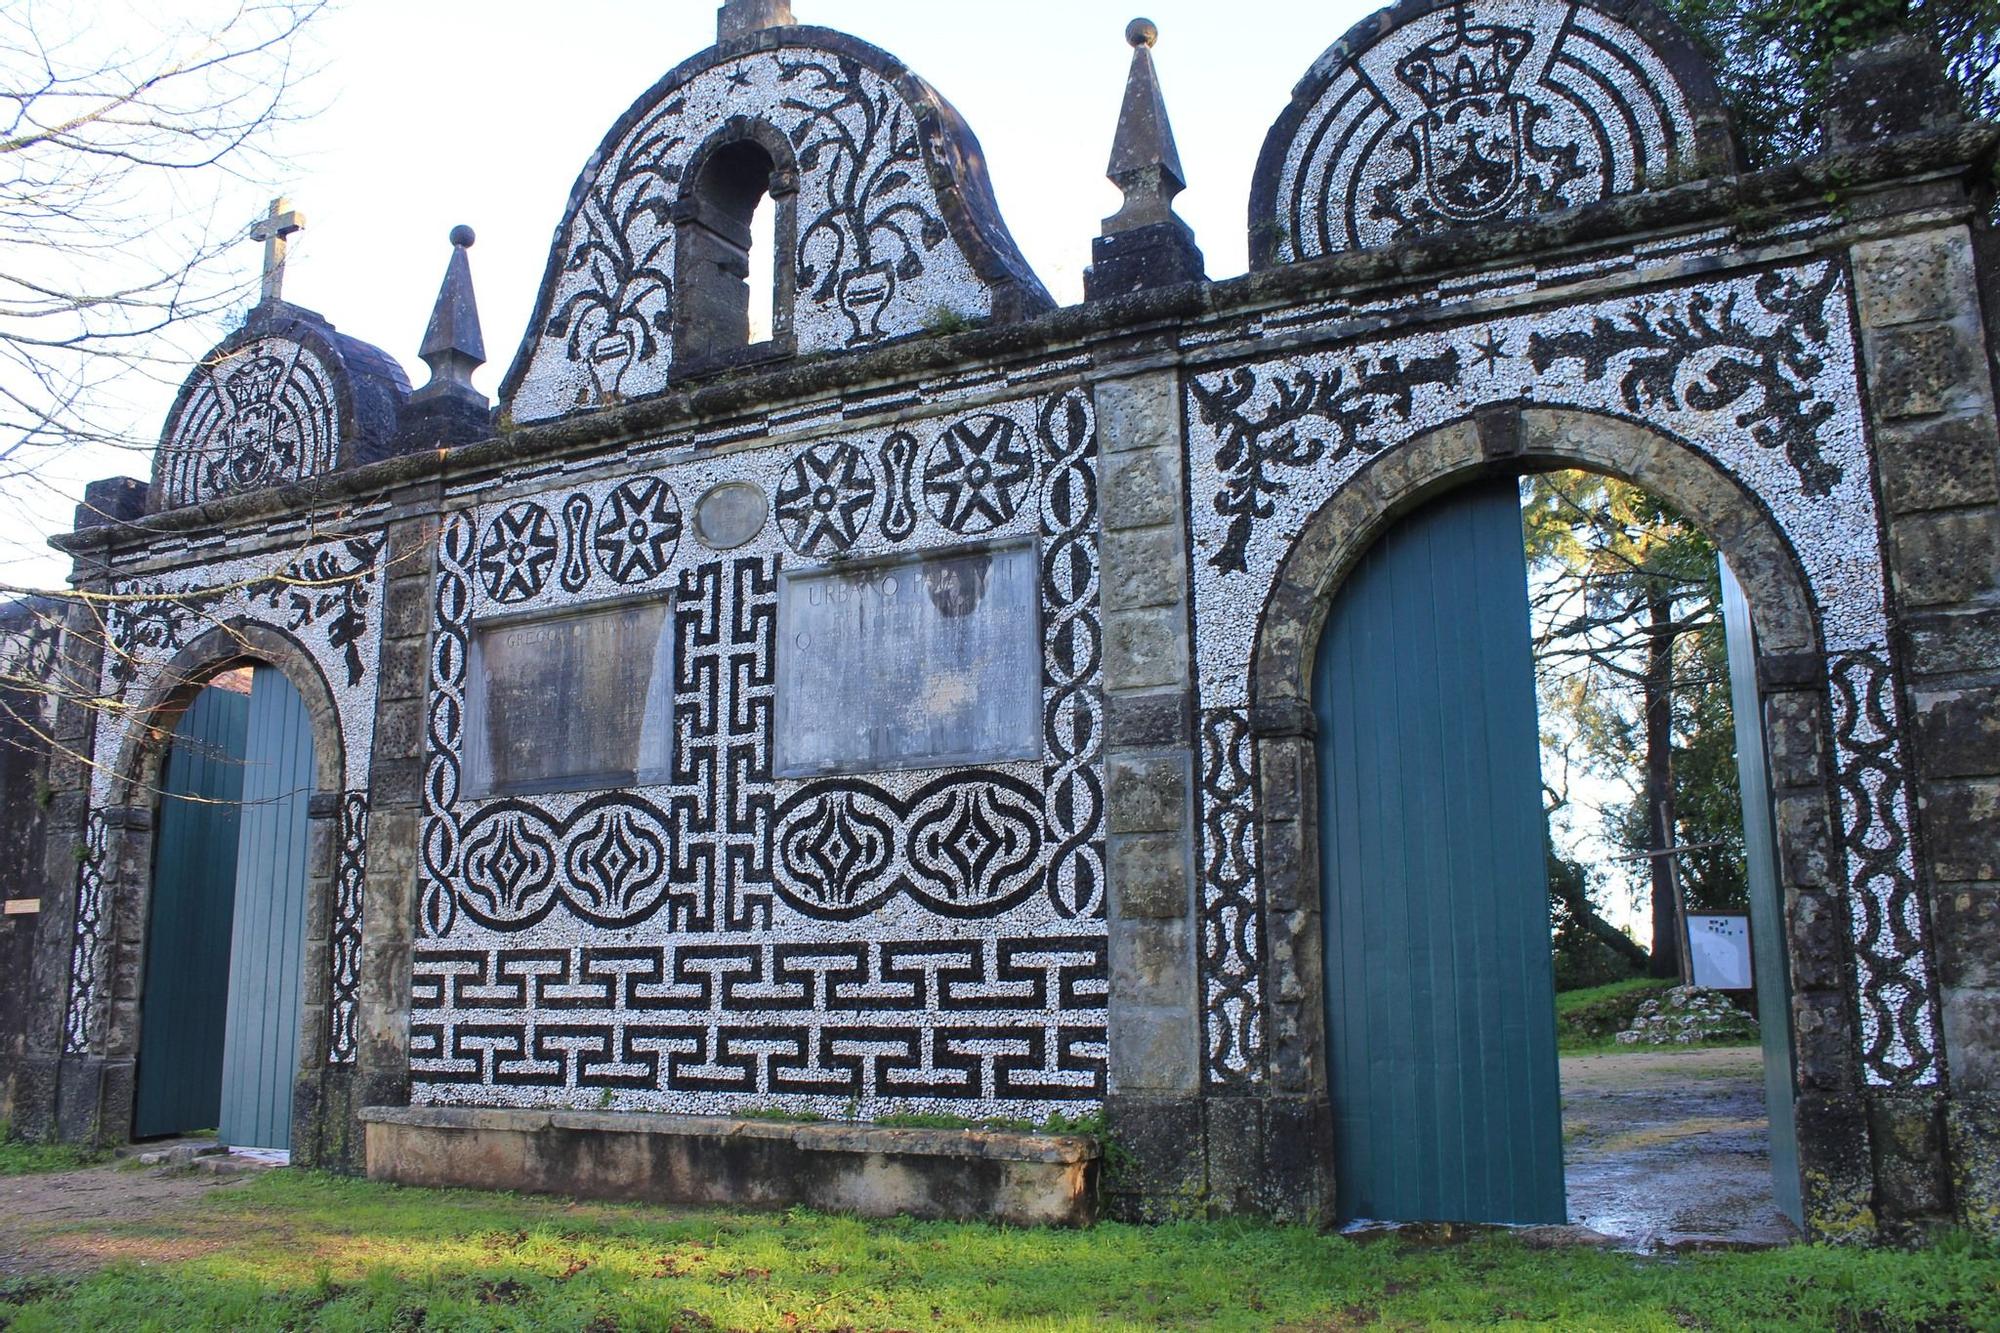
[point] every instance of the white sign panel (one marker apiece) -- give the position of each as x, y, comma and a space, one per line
1720, 950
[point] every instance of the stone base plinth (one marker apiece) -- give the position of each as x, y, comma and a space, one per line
983, 1175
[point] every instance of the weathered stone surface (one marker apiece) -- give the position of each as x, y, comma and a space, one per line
1939, 464
1972, 1133
1153, 1050
1821, 1034
1954, 640
1152, 963
1962, 822
1958, 731
1144, 568
1141, 412
1805, 841
1951, 557
1145, 649
1793, 725
1972, 1037
1918, 372
1148, 721
1141, 489
1819, 957
1161, 1177
1967, 918
1148, 794
1907, 279
1234, 1132
1021, 1179
1907, 1133
1835, 1169
1150, 876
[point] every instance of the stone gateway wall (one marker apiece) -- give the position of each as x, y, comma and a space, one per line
910, 713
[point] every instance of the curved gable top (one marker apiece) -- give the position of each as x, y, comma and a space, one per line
1436, 114
285, 398
893, 226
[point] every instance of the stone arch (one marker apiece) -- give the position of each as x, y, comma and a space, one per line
1792, 676
1523, 439
131, 808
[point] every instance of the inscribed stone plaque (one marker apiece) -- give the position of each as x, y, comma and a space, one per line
918, 663
581, 701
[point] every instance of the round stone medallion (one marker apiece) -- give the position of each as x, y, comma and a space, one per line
730, 515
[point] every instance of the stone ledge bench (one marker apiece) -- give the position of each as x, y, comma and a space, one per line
869, 1170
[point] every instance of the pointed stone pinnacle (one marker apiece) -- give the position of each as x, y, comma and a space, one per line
1143, 245
453, 347
740, 18
1145, 163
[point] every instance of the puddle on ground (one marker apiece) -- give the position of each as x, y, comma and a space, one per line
1671, 1151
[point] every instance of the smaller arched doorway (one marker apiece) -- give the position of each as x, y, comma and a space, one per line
222, 999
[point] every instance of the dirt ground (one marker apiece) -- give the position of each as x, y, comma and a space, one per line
1670, 1148
40, 1217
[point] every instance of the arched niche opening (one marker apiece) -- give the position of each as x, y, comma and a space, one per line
733, 278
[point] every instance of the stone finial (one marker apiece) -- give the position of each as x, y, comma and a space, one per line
1144, 244
740, 18
1895, 87
1145, 163
453, 347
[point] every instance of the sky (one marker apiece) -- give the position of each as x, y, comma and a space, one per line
429, 114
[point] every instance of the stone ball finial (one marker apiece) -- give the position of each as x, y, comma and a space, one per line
462, 236
1142, 32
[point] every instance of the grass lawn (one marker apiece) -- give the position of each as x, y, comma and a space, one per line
293, 1251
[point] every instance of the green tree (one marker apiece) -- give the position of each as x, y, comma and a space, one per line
1631, 665
1775, 58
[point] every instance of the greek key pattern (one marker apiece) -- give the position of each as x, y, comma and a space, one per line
970, 1027
1898, 1039
725, 672
349, 881
1231, 916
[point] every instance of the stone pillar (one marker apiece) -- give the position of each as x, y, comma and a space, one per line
1932, 400
1154, 1106
381, 1070
47, 1080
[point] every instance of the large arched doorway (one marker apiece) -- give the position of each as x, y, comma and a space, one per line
221, 1005
1438, 995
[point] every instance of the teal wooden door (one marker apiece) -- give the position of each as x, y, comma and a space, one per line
261, 1046
1440, 995
182, 1003
1768, 965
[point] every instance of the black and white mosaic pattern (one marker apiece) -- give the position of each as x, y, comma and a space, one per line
875, 256
1232, 949
350, 877
323, 594
265, 414
1756, 371
1471, 111
87, 950
899, 940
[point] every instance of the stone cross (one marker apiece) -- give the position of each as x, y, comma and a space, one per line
272, 231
